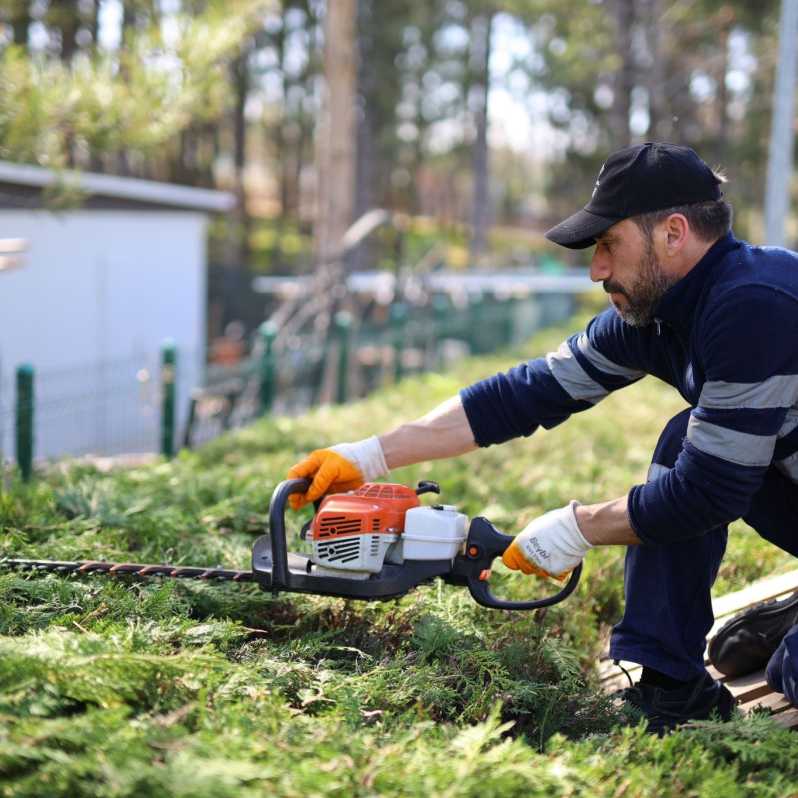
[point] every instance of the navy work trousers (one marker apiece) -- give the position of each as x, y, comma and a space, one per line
782, 670
668, 611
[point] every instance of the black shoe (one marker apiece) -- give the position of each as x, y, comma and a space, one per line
666, 709
746, 643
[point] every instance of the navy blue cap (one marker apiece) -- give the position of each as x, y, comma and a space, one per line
639, 179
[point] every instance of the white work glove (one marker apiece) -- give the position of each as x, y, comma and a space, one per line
339, 468
551, 545
367, 455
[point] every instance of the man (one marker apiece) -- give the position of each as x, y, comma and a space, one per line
712, 316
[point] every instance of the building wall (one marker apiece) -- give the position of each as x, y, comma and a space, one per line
98, 294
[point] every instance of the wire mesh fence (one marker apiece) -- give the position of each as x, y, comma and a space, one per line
107, 407
7, 418
114, 408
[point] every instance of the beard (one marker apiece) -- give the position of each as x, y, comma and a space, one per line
644, 295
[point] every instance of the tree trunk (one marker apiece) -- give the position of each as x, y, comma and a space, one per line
64, 17
304, 143
366, 79
128, 23
480, 211
94, 24
336, 133
659, 127
129, 19
241, 85
624, 14
20, 22
367, 170
280, 139
722, 97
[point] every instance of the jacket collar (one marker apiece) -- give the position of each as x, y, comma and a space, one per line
680, 302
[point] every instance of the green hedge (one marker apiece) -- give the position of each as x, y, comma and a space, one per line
110, 688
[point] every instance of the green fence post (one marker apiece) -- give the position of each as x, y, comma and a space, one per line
188, 435
268, 367
398, 322
476, 333
168, 391
489, 323
343, 325
440, 315
24, 422
318, 373
509, 311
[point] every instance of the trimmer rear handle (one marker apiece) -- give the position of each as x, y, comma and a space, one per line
483, 545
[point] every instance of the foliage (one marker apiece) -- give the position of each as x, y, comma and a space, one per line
118, 688
214, 93
622, 71
134, 101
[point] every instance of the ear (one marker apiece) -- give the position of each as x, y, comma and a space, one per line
677, 231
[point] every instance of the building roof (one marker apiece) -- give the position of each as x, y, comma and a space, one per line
21, 181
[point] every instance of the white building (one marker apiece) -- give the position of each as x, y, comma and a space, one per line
89, 299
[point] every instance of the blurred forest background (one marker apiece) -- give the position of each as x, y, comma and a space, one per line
481, 122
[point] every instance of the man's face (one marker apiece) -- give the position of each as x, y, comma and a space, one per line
626, 263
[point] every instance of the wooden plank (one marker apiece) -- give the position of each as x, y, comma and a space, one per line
613, 678
714, 672
774, 702
788, 719
761, 590
746, 688
607, 667
616, 682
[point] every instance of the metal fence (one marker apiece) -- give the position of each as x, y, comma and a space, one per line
147, 404
100, 408
354, 359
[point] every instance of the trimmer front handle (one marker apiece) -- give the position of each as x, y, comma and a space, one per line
483, 545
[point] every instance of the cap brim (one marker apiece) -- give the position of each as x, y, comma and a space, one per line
580, 230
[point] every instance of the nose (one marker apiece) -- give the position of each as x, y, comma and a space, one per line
600, 267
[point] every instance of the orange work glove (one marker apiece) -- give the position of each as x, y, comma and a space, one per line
340, 468
516, 561
552, 545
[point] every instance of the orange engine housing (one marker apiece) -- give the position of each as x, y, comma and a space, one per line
374, 508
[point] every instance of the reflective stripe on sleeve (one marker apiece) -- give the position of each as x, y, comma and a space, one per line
603, 363
781, 390
790, 422
728, 444
655, 471
789, 466
572, 377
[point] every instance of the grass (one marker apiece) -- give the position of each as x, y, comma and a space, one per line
115, 688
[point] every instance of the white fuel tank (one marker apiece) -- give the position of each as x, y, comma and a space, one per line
433, 533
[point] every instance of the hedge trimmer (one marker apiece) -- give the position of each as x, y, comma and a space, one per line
376, 542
